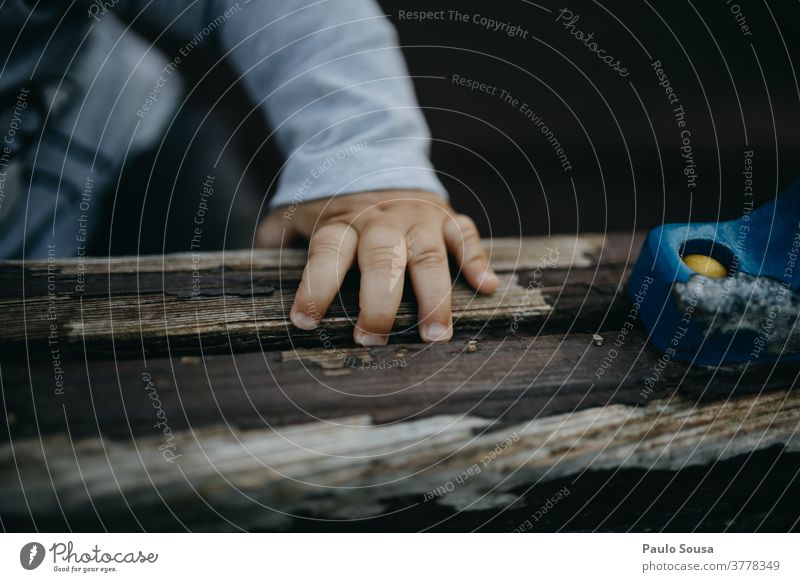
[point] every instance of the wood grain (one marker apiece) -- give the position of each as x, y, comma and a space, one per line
240, 300
265, 423
507, 379
349, 469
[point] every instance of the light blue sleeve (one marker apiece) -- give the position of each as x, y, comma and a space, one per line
333, 84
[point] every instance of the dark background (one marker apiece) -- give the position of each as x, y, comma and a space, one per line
616, 155
739, 92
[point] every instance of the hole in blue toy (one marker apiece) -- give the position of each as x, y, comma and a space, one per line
710, 248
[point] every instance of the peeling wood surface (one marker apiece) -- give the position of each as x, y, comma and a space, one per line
269, 426
240, 300
347, 469
507, 254
511, 379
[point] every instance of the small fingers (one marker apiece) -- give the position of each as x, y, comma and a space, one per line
430, 277
382, 255
464, 241
331, 252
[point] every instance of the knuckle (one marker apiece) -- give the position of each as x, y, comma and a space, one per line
384, 256
475, 259
428, 258
471, 236
327, 246
466, 230
329, 240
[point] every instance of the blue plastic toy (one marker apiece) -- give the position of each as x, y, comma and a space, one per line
750, 313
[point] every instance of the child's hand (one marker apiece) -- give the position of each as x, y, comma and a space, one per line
387, 231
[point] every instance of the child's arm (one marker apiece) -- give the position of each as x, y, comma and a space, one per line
333, 84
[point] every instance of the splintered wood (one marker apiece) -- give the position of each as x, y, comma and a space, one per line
349, 467
184, 398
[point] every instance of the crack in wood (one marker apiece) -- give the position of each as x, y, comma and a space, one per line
349, 467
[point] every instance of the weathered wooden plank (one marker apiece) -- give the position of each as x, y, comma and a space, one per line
508, 378
240, 300
351, 469
331, 431
258, 319
506, 254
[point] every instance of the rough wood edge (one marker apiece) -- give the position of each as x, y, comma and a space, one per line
506, 253
346, 469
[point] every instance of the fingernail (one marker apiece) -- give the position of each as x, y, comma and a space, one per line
304, 321
369, 339
436, 332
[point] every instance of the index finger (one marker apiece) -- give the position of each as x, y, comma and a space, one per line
331, 252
